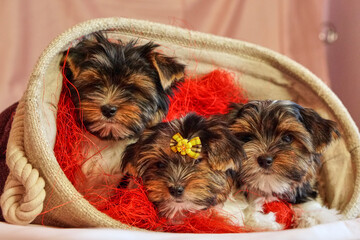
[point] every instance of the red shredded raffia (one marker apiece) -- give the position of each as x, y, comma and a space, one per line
284, 212
69, 137
205, 95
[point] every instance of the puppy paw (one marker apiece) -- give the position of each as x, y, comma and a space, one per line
233, 209
308, 217
258, 221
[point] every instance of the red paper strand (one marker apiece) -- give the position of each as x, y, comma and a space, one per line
206, 95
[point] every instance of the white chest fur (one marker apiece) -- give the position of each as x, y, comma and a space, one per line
101, 167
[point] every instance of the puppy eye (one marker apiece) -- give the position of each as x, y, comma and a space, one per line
197, 161
230, 173
287, 138
160, 165
245, 137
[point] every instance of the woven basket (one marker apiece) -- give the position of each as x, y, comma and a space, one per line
38, 191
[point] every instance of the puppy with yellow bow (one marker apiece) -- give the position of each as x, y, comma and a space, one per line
186, 165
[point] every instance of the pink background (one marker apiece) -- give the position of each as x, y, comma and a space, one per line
289, 27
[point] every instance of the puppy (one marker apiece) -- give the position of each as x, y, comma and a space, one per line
180, 177
283, 143
119, 89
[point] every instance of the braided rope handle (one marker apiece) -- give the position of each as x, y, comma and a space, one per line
24, 193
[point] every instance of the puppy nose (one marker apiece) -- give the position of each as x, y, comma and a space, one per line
109, 110
176, 191
265, 161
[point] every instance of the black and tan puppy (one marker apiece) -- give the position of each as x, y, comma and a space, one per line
185, 165
283, 143
119, 89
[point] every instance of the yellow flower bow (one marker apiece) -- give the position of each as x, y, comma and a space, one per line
192, 148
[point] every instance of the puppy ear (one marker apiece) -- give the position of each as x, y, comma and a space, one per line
68, 66
323, 131
131, 157
170, 71
235, 110
224, 151
128, 163
74, 56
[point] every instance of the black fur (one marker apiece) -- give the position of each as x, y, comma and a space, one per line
305, 193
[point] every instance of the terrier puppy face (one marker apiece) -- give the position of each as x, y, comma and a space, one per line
178, 183
283, 143
119, 88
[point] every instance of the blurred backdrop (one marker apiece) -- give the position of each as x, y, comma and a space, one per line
323, 35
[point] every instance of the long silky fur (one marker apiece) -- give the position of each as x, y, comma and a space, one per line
261, 127
207, 181
134, 78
